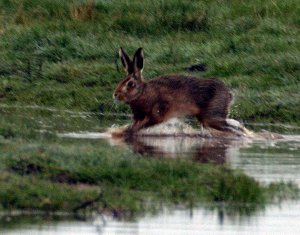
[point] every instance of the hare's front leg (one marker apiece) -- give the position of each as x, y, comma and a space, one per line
137, 125
156, 116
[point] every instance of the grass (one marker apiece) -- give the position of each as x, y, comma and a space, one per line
69, 177
63, 54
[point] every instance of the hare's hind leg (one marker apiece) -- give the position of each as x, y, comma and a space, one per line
219, 123
215, 115
222, 125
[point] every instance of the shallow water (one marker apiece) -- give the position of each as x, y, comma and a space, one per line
283, 219
267, 161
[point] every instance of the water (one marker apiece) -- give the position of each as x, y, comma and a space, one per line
270, 161
266, 161
276, 219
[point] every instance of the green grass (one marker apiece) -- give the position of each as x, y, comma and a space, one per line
63, 54
64, 176
29, 193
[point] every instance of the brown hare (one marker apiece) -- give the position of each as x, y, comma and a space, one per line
164, 97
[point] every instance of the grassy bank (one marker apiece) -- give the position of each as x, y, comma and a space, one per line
74, 178
63, 53
42, 172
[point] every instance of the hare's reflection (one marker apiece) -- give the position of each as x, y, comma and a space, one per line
198, 149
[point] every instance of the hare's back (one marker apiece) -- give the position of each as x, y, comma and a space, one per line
182, 82
200, 91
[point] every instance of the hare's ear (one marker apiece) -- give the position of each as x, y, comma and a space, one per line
126, 62
138, 60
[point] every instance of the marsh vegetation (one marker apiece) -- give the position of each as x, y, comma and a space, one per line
43, 172
59, 67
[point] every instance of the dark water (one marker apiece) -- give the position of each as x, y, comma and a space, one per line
266, 161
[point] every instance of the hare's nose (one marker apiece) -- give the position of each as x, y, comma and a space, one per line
115, 95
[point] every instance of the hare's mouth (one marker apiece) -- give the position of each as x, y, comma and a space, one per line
119, 98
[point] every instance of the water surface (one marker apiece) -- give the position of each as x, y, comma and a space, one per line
266, 161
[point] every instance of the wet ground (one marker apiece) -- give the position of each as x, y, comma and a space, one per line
265, 160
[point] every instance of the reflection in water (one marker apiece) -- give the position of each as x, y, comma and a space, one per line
176, 138
266, 161
198, 149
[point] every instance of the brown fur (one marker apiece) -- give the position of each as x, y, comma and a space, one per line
168, 96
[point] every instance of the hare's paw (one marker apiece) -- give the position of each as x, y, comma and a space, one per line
128, 132
122, 132
118, 132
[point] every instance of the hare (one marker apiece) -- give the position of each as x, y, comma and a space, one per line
164, 97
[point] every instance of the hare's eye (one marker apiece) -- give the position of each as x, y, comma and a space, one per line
130, 84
